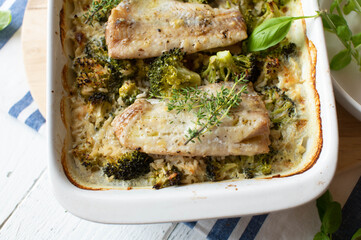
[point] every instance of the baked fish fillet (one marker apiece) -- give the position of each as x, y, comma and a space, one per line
147, 125
146, 28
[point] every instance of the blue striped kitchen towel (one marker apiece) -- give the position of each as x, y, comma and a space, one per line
19, 103
298, 223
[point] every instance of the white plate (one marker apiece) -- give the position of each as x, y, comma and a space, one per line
346, 82
195, 201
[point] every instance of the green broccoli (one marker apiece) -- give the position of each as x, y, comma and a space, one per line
282, 50
257, 11
222, 169
166, 177
91, 75
223, 66
96, 71
99, 10
199, 1
128, 92
280, 107
258, 164
233, 167
167, 72
270, 61
83, 153
128, 166
119, 69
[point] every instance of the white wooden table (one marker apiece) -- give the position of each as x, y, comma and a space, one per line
28, 210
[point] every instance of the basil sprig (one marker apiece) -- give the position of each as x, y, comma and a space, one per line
335, 22
271, 32
330, 214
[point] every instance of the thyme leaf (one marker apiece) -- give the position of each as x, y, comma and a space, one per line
209, 109
99, 10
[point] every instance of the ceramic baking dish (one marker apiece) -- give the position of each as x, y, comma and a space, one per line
196, 201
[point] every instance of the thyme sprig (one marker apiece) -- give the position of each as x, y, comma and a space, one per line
209, 109
99, 10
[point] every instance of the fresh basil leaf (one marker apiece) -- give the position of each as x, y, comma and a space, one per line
349, 7
5, 19
356, 40
269, 33
341, 60
331, 221
332, 21
334, 5
321, 236
344, 32
322, 203
352, 5
357, 235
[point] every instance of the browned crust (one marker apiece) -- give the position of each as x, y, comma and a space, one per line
65, 79
67, 172
313, 55
62, 25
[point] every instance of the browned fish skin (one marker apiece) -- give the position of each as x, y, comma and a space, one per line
149, 127
146, 28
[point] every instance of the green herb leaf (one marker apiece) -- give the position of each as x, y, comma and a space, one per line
322, 203
344, 32
269, 33
209, 109
334, 5
357, 235
356, 40
349, 7
321, 236
332, 21
332, 218
352, 5
5, 19
341, 60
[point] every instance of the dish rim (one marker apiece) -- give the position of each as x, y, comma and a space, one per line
194, 201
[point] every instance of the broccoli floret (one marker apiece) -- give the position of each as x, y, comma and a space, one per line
257, 11
97, 49
98, 108
258, 164
100, 10
223, 66
128, 92
118, 70
97, 72
166, 177
99, 98
199, 1
222, 169
280, 107
91, 75
269, 62
129, 166
83, 153
233, 167
283, 50
167, 72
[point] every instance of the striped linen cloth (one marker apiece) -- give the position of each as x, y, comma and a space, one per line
297, 223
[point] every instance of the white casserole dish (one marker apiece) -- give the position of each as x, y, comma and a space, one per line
196, 201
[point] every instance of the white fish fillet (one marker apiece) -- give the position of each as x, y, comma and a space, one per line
146, 28
147, 125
